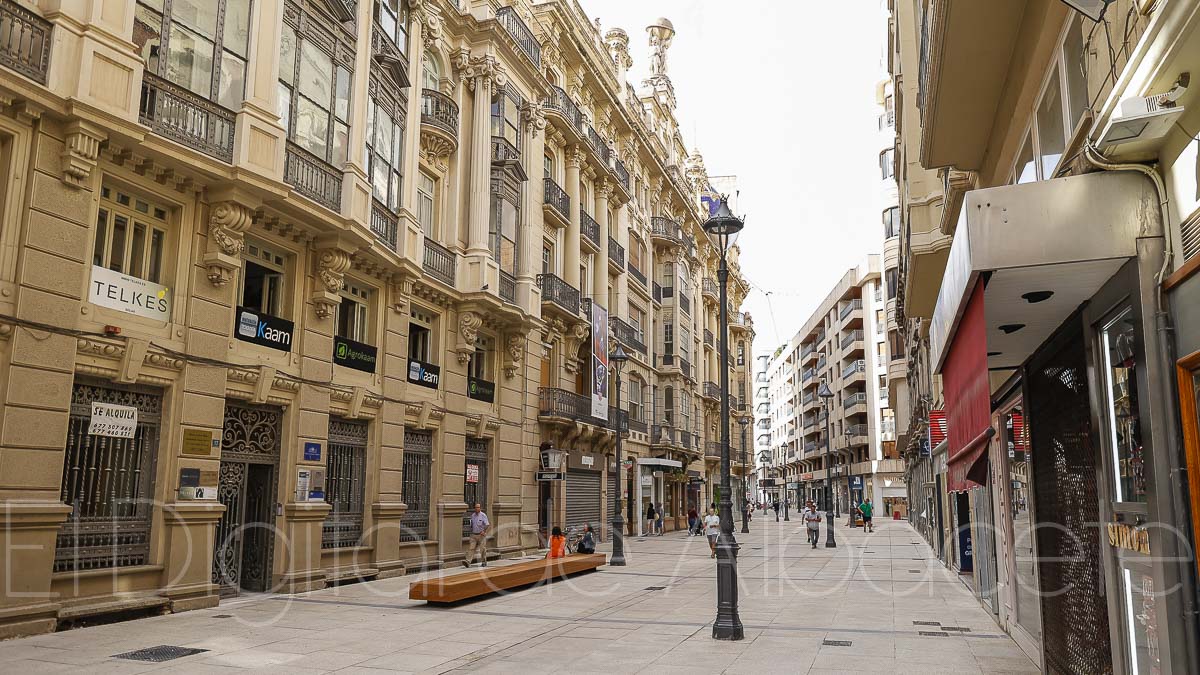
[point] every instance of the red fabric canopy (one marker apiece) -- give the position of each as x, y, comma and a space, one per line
968, 398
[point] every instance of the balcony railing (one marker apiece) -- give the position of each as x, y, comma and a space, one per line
439, 110
855, 399
557, 198
637, 274
559, 292
636, 423
174, 112
560, 102
622, 174
616, 253
685, 304
503, 151
508, 287
589, 227
708, 337
737, 319
808, 398
853, 305
507, 17
665, 228
554, 402
384, 224
711, 390
808, 375
852, 337
24, 42
810, 446
709, 287
313, 177
656, 292
820, 363
439, 262
685, 367
598, 144
859, 366
712, 450
626, 334
856, 430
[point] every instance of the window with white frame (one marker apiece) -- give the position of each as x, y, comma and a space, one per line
637, 319
547, 257
431, 72
353, 312
636, 389
427, 204
504, 223
131, 233
887, 161
891, 222
506, 116
264, 271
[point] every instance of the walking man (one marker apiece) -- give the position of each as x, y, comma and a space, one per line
651, 519
812, 520
712, 528
867, 510
776, 507
480, 526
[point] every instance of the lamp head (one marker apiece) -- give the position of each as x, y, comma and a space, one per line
723, 223
824, 391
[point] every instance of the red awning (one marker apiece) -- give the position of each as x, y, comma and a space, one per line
968, 398
937, 427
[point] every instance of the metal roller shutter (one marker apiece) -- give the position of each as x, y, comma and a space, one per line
583, 498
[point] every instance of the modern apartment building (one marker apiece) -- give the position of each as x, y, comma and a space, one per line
286, 285
1047, 292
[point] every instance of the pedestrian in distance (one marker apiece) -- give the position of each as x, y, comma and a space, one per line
812, 521
775, 506
658, 522
867, 510
651, 518
480, 526
712, 528
587, 543
558, 544
693, 519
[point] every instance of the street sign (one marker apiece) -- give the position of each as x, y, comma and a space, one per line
550, 475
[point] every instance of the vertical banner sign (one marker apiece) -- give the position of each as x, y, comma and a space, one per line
599, 361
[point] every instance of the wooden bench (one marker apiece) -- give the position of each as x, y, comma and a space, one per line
455, 587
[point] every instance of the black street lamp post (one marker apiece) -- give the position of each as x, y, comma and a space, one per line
745, 421
827, 396
617, 361
787, 491
728, 625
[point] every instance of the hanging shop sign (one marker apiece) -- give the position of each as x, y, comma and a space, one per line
806, 476
114, 421
766, 482
481, 390
599, 361
424, 374
472, 473
550, 475
129, 294
1128, 537
264, 329
356, 355
856, 482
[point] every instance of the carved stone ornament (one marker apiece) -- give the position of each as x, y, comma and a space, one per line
426, 14
81, 148
227, 226
516, 350
578, 333
331, 273
576, 157
534, 117
468, 332
485, 69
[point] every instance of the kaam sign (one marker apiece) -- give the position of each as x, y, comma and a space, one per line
424, 374
264, 329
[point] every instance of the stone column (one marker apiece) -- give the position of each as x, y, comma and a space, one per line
604, 190
575, 160
531, 212
389, 508
481, 73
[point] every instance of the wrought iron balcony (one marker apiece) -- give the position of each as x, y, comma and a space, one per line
855, 304
24, 42
627, 335
711, 390
712, 450
616, 253
738, 319
556, 198
709, 287
516, 28
599, 145
508, 287
439, 111
852, 337
313, 177
686, 439
636, 423
176, 113
637, 274
503, 151
622, 174
560, 403
662, 434
559, 292
559, 102
708, 337
589, 227
852, 400
439, 262
384, 224
665, 228
859, 366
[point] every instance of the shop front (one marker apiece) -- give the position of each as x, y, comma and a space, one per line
652, 487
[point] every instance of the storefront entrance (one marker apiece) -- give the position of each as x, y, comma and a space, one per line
245, 537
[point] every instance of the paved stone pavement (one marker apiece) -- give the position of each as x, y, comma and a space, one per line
653, 616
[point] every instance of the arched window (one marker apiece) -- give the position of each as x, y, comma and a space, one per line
200, 45
431, 72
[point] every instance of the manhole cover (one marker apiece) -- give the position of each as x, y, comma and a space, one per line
932, 633
654, 588
957, 629
925, 623
837, 643
159, 654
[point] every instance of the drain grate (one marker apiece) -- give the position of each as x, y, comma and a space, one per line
926, 623
159, 654
932, 633
918, 572
957, 629
837, 643
654, 588
222, 616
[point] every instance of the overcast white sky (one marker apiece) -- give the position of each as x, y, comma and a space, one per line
780, 93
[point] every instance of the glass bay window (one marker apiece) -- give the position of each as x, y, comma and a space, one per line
200, 45
315, 63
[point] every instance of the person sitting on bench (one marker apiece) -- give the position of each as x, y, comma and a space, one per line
558, 544
587, 543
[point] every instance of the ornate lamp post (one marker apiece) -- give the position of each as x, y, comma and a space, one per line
745, 422
616, 361
826, 397
728, 625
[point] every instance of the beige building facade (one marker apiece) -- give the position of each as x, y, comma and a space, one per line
286, 286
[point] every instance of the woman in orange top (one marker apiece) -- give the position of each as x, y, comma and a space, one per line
558, 544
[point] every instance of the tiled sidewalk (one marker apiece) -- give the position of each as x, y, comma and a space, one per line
795, 601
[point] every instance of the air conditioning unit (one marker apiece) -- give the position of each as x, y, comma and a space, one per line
1140, 118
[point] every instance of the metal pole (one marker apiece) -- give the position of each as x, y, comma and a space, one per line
829, 539
618, 525
742, 497
728, 625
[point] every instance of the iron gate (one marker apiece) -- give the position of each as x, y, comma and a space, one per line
108, 483
344, 483
583, 498
415, 484
477, 492
1063, 465
245, 538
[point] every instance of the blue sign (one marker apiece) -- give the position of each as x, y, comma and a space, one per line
312, 452
855, 482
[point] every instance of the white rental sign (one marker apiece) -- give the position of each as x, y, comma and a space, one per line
117, 421
129, 294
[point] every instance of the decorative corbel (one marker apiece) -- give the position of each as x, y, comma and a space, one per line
468, 331
332, 264
534, 117
227, 225
579, 332
516, 351
401, 293
80, 151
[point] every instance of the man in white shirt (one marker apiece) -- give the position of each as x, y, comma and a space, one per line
480, 525
812, 520
712, 528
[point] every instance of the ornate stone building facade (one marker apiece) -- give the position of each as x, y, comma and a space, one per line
286, 284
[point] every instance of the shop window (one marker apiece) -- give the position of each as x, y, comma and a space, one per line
263, 279
130, 235
427, 204
1020, 510
1123, 415
385, 153
475, 480
392, 16
314, 88
353, 311
207, 43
